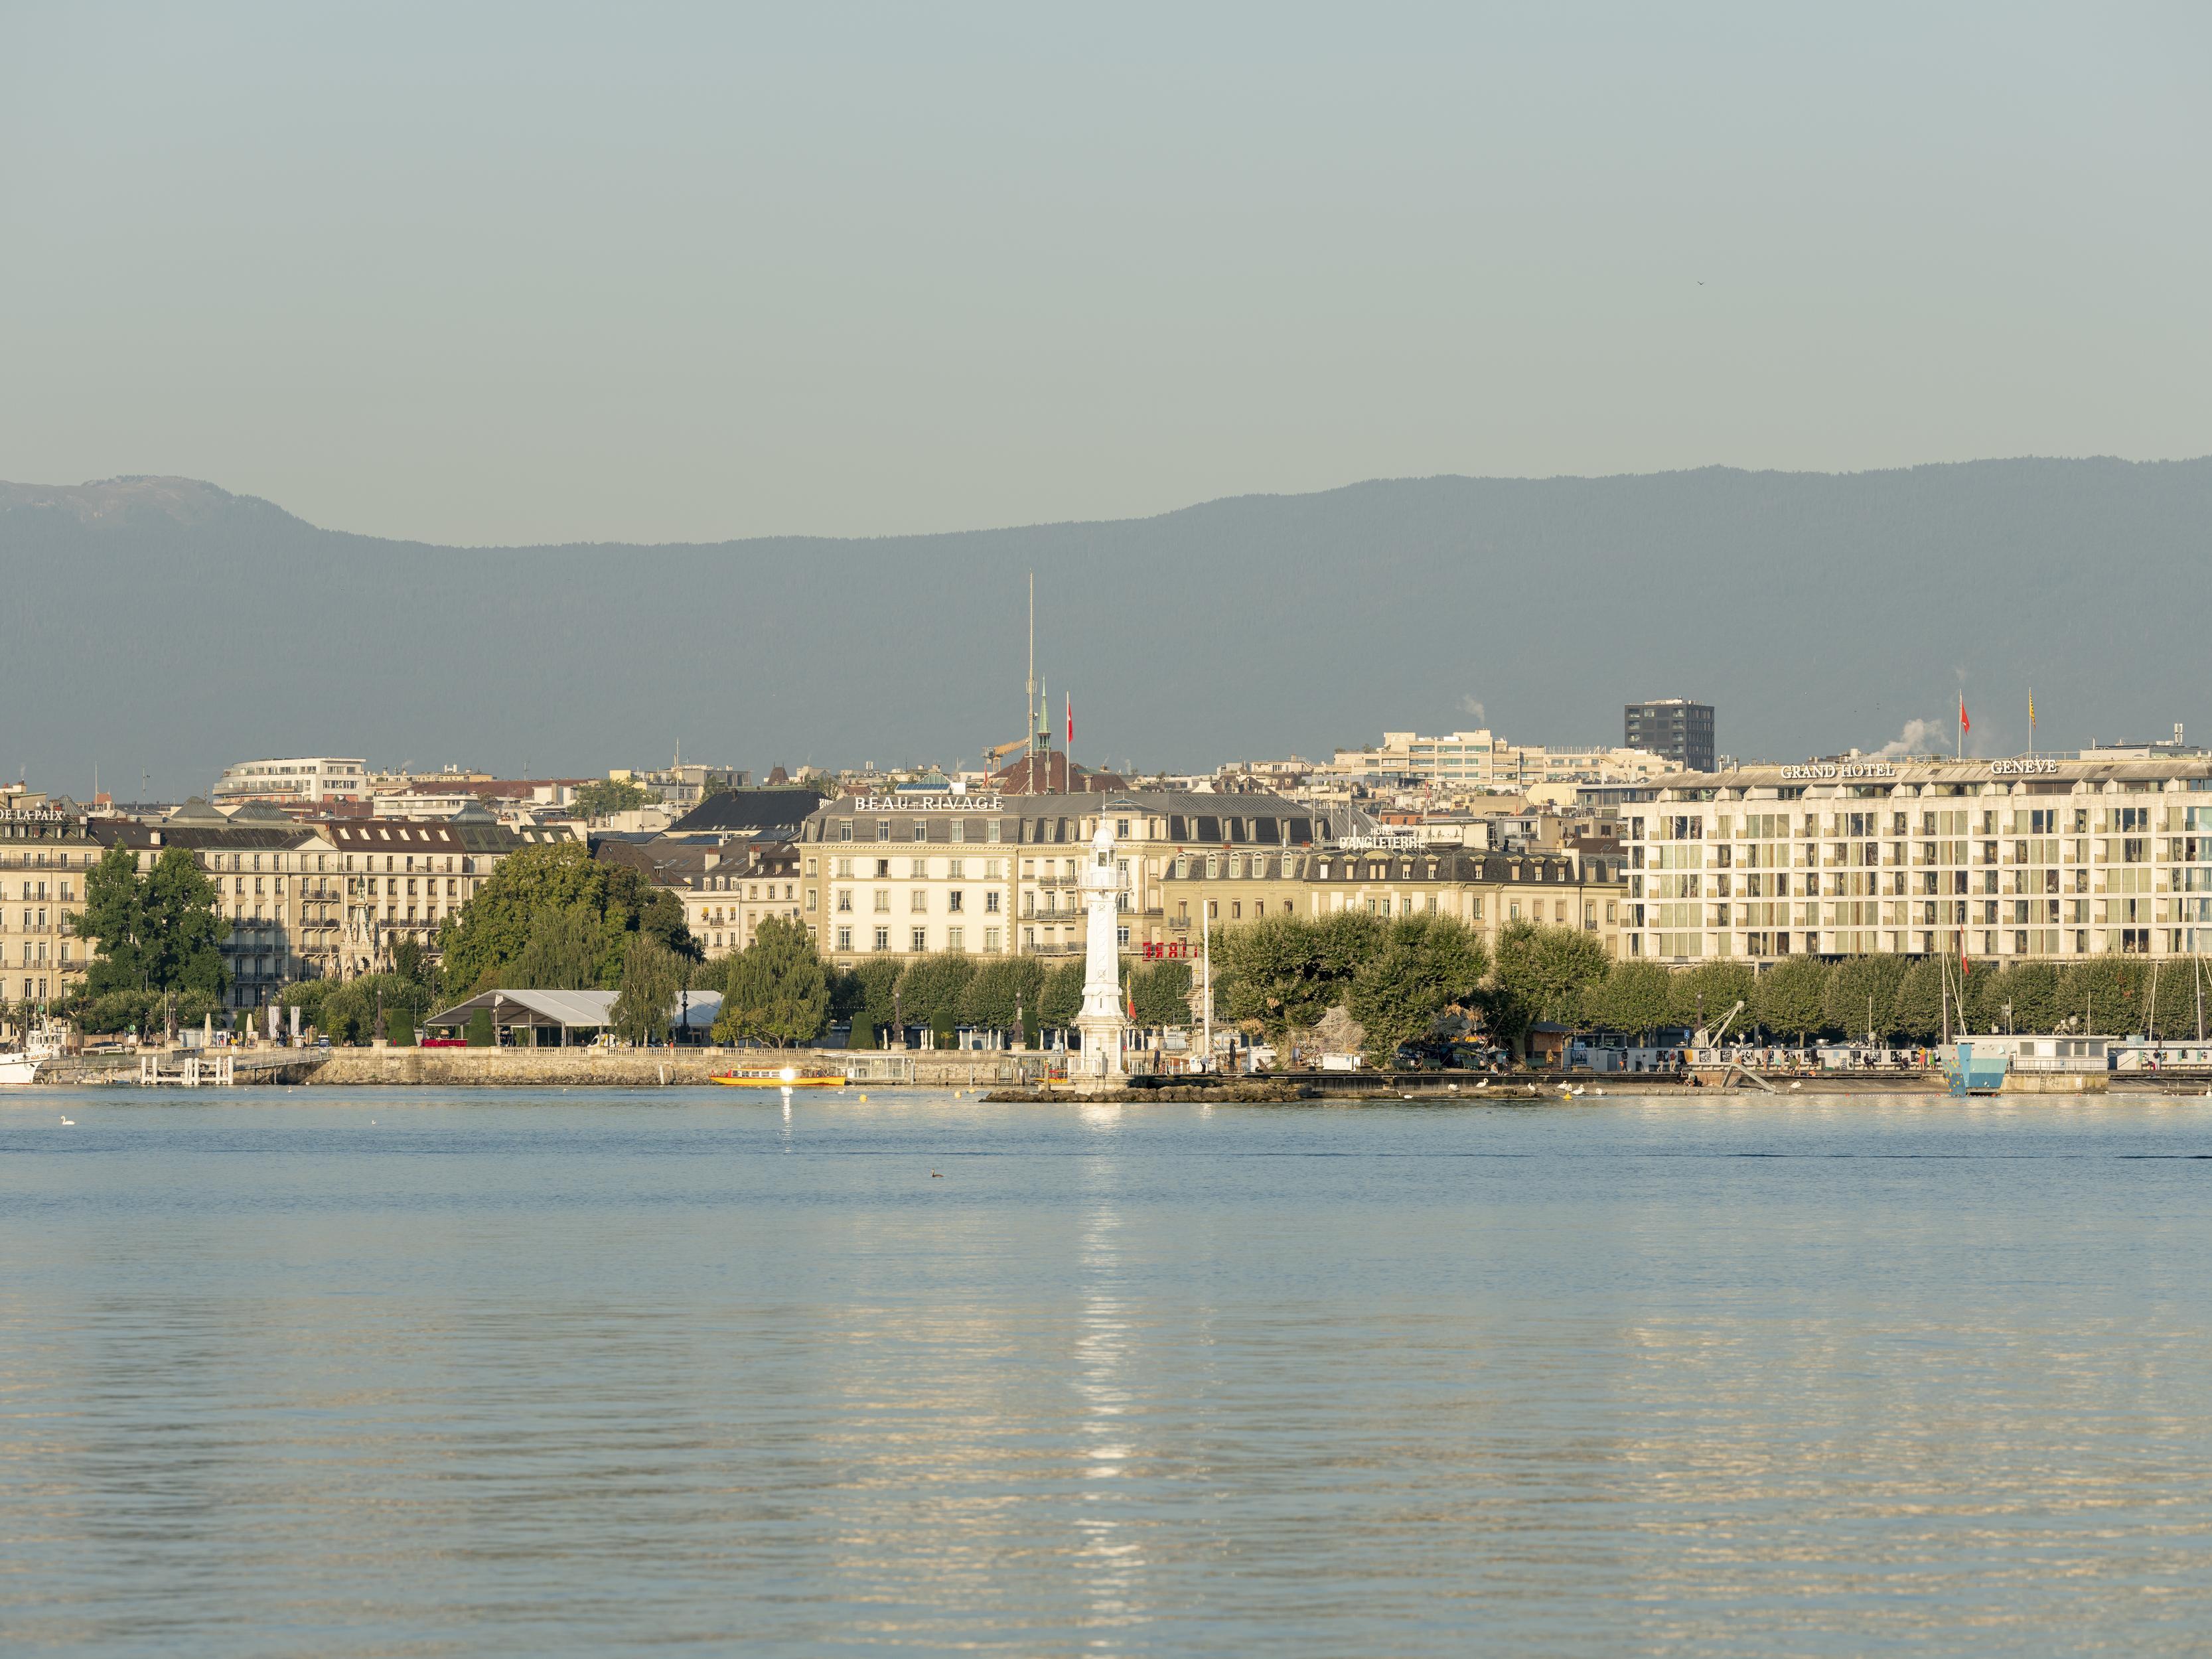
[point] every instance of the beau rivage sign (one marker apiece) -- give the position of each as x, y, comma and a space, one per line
928, 803
1997, 769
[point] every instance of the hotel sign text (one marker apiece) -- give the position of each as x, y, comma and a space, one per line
928, 804
2008, 768
1841, 769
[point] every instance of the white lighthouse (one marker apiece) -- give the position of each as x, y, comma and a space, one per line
1102, 1022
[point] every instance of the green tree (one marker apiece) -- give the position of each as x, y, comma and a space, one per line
1793, 997
864, 997
565, 952
603, 796
348, 1012
1634, 998
653, 978
2031, 991
155, 932
1424, 965
1703, 995
483, 943
1916, 1007
1861, 995
1160, 991
930, 988
2106, 995
1060, 998
775, 990
1003, 990
1542, 973
1285, 972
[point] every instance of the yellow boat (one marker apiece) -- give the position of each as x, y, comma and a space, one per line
787, 1076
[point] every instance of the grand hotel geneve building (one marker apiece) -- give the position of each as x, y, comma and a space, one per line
2032, 859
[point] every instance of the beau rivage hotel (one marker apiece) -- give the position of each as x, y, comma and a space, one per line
2030, 859
909, 874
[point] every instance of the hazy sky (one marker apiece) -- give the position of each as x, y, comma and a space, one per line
507, 274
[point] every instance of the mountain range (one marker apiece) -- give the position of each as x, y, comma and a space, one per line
165, 626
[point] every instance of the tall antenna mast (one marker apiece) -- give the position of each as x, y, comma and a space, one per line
1029, 699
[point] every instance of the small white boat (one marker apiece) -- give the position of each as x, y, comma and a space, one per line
20, 1065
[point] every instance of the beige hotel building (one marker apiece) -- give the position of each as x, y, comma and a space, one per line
2030, 859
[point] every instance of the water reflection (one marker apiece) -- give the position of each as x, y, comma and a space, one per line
1719, 1375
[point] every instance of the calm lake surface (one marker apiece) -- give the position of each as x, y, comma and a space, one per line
415, 1374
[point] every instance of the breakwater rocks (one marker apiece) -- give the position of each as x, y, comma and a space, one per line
1238, 1093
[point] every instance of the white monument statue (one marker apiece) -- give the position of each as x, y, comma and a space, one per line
1102, 1021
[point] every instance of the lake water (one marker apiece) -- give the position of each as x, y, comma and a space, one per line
409, 1374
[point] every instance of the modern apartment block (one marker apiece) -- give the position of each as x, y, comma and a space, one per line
318, 778
1474, 761
2021, 859
1674, 728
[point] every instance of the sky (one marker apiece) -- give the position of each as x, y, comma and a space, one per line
483, 274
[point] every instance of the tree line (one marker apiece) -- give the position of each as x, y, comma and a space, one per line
554, 918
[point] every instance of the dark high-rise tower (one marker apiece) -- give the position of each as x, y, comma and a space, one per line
1678, 730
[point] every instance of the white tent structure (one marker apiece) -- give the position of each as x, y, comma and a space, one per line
567, 1012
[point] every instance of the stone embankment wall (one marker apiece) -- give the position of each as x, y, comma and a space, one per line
643, 1068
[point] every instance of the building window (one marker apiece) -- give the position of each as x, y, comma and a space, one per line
991, 941
1121, 937
952, 900
918, 870
845, 830
844, 938
921, 941
922, 829
956, 938
918, 901
883, 901
883, 829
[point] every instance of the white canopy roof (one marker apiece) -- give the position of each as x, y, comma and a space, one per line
576, 1010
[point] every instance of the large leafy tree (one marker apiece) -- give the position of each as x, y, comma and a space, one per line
158, 931
1285, 972
653, 978
1860, 997
1542, 973
930, 989
1793, 997
1160, 993
1003, 990
1633, 997
1916, 1007
1423, 965
484, 942
775, 990
1703, 995
1060, 998
2106, 995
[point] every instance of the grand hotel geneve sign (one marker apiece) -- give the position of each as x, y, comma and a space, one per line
927, 802
1998, 768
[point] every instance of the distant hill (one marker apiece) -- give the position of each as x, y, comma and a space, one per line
165, 623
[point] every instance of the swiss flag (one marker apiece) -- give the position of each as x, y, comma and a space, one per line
1965, 724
